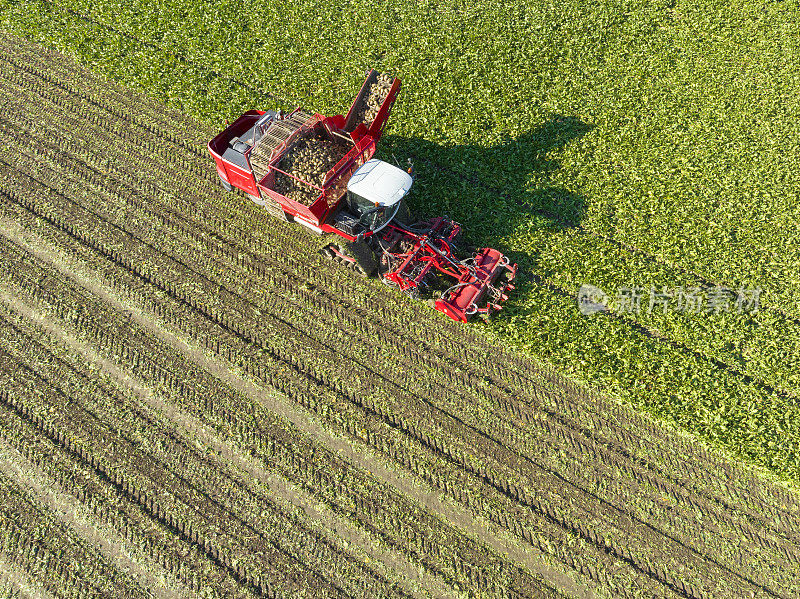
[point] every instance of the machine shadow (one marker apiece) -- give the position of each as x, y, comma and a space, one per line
495, 191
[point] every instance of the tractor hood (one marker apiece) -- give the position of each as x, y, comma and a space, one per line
380, 182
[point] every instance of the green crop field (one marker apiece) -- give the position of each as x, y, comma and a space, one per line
621, 145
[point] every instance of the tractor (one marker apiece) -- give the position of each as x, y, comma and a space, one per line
319, 172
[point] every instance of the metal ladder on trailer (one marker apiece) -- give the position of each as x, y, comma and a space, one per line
273, 141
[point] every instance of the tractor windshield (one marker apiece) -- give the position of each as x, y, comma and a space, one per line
371, 216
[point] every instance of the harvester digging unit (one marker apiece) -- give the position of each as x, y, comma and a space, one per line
319, 172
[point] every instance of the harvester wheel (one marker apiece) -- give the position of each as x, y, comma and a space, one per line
225, 185
355, 255
365, 261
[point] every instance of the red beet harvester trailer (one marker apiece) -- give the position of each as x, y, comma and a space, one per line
319, 172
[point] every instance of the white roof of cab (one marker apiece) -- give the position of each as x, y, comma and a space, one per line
380, 182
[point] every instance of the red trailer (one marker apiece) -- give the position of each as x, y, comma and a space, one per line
319, 172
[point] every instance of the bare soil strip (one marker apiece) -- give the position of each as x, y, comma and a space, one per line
393, 564
584, 481
282, 407
71, 512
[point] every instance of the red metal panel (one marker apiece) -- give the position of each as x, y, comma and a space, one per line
232, 173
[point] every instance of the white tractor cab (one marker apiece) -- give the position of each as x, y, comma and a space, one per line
375, 193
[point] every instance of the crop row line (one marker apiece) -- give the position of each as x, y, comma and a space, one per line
69, 75
165, 496
110, 505
312, 394
17, 77
405, 424
253, 508
631, 470
288, 456
788, 499
35, 543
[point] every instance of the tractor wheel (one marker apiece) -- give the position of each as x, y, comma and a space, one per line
356, 256
366, 261
225, 185
256, 200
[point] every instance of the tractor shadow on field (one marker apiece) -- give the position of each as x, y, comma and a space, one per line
498, 192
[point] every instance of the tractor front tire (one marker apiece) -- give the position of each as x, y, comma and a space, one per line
366, 261
355, 255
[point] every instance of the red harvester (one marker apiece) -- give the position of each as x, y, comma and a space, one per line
319, 172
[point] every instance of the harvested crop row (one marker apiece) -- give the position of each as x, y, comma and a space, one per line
124, 102
341, 486
25, 74
747, 497
427, 463
346, 490
255, 510
684, 527
34, 541
147, 537
393, 416
722, 488
168, 497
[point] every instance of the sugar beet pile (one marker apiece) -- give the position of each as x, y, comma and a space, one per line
367, 110
310, 159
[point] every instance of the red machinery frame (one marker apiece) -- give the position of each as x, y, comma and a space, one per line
410, 256
476, 286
